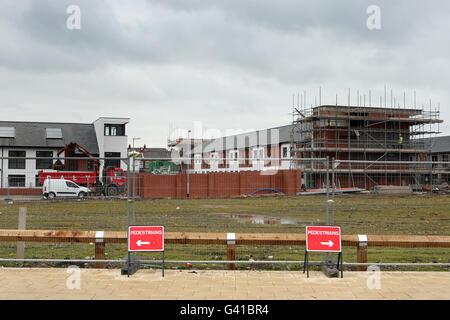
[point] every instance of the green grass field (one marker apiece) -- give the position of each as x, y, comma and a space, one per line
356, 214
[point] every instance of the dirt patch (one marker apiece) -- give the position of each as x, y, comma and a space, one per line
259, 219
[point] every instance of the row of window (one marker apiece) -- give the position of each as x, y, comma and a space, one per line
50, 133
257, 153
18, 163
114, 130
18, 180
18, 158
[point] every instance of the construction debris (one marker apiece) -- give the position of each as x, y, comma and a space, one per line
324, 191
392, 190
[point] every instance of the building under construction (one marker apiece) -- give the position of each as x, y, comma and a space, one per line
366, 141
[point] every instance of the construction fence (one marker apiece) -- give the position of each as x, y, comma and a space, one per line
206, 178
212, 212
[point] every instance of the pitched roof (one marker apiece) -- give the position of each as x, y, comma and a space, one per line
161, 153
438, 144
34, 135
276, 135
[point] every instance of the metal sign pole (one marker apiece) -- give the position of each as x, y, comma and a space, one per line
333, 184
128, 214
327, 256
133, 212
340, 265
133, 221
306, 263
163, 263
328, 190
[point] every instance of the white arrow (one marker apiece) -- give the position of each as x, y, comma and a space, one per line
329, 243
139, 242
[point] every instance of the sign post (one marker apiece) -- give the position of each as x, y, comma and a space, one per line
146, 239
323, 239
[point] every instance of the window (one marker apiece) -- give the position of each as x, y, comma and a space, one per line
234, 154
37, 181
234, 165
53, 133
16, 180
90, 165
214, 159
285, 152
258, 153
114, 129
7, 132
71, 184
44, 163
113, 162
16, 163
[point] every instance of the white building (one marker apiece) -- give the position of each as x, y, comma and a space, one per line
112, 139
262, 150
105, 137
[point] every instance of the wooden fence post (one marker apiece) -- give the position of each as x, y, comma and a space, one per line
362, 252
231, 250
21, 226
99, 249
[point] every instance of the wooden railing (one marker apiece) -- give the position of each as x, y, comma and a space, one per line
196, 238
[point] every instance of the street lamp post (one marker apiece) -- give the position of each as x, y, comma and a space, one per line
134, 140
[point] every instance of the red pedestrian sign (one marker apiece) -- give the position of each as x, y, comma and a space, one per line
145, 238
323, 239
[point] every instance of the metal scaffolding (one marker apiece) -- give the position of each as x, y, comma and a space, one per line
375, 135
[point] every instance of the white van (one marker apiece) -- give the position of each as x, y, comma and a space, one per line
63, 188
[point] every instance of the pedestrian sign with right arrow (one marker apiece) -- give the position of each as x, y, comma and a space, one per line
323, 239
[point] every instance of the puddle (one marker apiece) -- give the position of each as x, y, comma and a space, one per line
255, 219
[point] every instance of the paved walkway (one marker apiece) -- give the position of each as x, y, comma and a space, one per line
31, 283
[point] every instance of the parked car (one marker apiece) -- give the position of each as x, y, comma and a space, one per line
63, 188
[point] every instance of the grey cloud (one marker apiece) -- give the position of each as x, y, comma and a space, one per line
247, 34
232, 64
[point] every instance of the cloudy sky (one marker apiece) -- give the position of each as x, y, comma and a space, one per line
231, 64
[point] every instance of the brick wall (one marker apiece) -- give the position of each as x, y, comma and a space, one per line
21, 192
216, 184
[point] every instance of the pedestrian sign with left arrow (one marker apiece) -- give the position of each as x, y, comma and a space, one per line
141, 239
146, 238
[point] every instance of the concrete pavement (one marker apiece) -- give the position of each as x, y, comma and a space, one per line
34, 283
